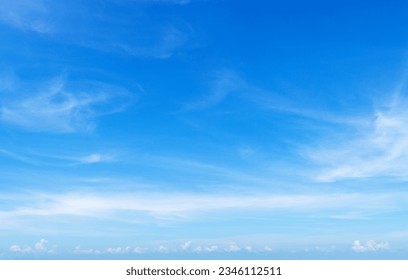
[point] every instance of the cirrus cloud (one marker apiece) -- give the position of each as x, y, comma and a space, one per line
55, 107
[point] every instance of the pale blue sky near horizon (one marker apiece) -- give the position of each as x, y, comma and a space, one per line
203, 129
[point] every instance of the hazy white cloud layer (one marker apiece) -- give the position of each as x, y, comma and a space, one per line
163, 206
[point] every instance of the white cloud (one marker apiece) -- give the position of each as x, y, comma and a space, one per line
248, 248
233, 248
267, 248
369, 246
74, 160
186, 245
163, 249
39, 247
198, 249
375, 146
377, 149
94, 158
56, 108
206, 249
211, 248
119, 250
139, 250
79, 250
21, 249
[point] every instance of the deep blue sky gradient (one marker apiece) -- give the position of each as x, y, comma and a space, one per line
203, 129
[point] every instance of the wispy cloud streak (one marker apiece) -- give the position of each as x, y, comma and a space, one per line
223, 84
86, 25
380, 149
56, 108
168, 40
163, 206
226, 85
26, 15
17, 157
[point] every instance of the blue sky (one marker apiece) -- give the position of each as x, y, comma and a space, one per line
203, 129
